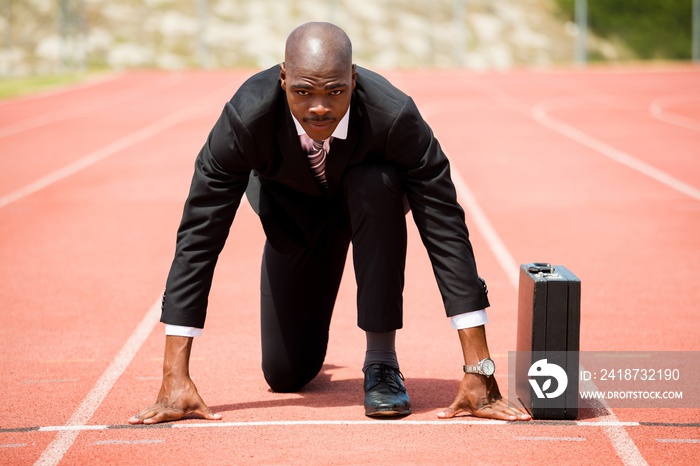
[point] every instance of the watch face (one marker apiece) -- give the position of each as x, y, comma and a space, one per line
488, 367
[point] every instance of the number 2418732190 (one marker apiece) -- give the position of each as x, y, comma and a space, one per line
640, 374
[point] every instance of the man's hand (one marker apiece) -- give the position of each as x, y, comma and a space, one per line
479, 396
177, 399
178, 396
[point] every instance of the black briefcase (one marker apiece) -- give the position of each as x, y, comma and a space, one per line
547, 359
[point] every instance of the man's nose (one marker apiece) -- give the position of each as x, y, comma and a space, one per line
319, 107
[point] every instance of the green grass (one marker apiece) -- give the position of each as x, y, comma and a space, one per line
12, 87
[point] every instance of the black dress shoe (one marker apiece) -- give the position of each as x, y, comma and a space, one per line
385, 393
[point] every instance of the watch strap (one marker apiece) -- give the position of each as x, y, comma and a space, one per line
478, 368
472, 369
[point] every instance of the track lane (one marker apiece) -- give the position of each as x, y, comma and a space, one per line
337, 394
86, 128
557, 200
80, 263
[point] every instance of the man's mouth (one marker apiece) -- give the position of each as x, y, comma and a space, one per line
319, 122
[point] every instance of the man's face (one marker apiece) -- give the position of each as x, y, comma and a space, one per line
318, 97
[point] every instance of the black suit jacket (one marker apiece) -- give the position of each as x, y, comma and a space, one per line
254, 145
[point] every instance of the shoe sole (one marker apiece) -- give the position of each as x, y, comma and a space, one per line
388, 413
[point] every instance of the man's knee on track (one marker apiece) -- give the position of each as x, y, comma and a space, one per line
283, 379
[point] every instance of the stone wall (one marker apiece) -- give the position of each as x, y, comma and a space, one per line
50, 36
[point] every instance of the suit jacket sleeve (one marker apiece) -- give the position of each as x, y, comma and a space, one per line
220, 177
425, 169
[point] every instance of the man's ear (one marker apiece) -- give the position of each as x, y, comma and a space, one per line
354, 75
283, 77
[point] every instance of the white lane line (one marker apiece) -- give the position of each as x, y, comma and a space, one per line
540, 113
67, 113
623, 444
608, 423
483, 224
64, 89
678, 440
618, 436
65, 438
72, 428
401, 422
658, 109
100, 154
552, 439
334, 422
128, 442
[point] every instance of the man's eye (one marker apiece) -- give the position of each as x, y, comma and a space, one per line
303, 93
336, 92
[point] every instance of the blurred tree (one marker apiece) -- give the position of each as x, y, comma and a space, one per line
652, 29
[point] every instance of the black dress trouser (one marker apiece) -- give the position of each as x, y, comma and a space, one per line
298, 290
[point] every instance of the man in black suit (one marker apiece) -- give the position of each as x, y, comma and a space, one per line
328, 153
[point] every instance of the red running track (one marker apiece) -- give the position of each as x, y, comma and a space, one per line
595, 169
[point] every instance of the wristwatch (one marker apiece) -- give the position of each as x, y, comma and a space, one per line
484, 367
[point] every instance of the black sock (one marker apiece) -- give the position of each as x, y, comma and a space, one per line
381, 349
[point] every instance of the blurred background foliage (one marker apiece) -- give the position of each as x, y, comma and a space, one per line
650, 29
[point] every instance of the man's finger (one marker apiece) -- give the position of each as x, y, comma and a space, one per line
135, 420
449, 412
507, 407
207, 413
164, 416
156, 413
501, 411
145, 413
490, 413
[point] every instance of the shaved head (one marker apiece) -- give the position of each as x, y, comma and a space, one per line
318, 46
318, 77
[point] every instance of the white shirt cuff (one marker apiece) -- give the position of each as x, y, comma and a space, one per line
180, 331
469, 319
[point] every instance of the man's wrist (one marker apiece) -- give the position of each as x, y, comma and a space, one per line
176, 359
473, 342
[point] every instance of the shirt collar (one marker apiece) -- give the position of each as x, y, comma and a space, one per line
341, 131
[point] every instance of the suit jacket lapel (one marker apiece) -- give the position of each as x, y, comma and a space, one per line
341, 151
296, 166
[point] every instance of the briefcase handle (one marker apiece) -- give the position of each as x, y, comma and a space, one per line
540, 267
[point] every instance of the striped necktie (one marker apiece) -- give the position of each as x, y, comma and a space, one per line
317, 162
